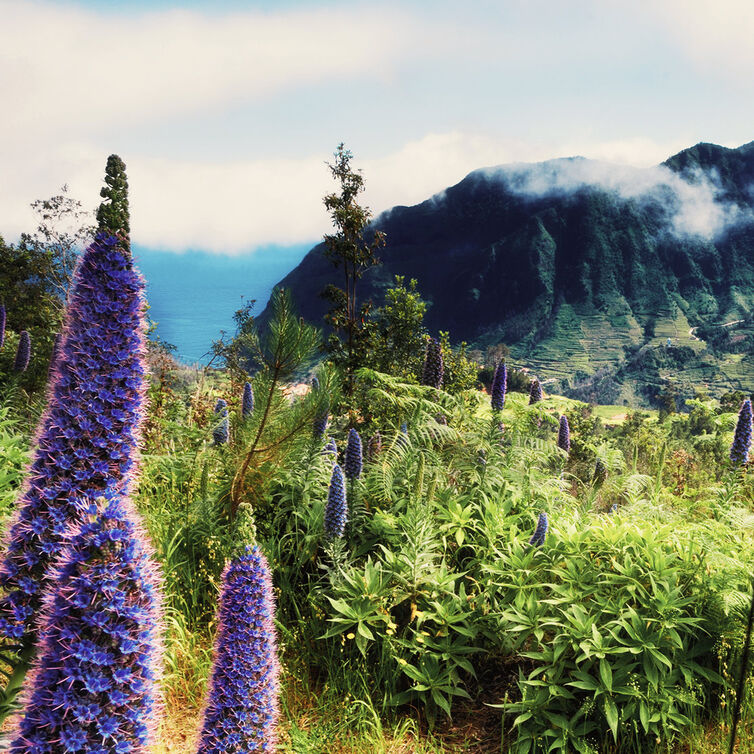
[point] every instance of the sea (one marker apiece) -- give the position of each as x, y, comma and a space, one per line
193, 295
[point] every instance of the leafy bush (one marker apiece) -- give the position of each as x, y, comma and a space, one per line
617, 624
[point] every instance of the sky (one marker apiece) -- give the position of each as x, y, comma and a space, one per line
226, 113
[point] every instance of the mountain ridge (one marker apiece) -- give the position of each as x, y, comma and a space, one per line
578, 266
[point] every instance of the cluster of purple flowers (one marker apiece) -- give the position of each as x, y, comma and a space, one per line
499, 385
94, 686
336, 508
23, 352
353, 459
535, 392
331, 449
564, 434
242, 706
434, 368
221, 430
87, 438
739, 450
319, 427
247, 402
540, 533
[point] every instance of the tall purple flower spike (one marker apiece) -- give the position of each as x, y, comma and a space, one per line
242, 707
221, 430
564, 434
247, 402
353, 462
331, 447
53, 357
434, 368
95, 685
336, 508
499, 385
23, 352
87, 438
540, 533
535, 392
739, 450
319, 425
2, 325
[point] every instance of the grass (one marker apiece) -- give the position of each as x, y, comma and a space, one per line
314, 722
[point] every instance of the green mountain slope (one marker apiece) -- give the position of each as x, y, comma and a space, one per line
585, 270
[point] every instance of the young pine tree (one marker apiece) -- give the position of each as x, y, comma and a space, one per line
352, 254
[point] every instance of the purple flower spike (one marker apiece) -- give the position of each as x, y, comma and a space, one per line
540, 533
247, 404
336, 509
600, 473
564, 434
319, 427
353, 460
499, 386
95, 684
221, 431
87, 438
739, 450
2, 325
434, 369
242, 706
23, 352
535, 392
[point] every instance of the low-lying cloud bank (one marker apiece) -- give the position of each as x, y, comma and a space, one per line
235, 207
694, 203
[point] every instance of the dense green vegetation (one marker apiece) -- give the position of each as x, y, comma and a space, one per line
622, 631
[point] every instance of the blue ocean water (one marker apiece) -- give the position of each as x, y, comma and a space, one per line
193, 295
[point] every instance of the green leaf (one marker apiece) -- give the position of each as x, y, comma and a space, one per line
611, 715
606, 674
522, 718
365, 632
441, 701
644, 716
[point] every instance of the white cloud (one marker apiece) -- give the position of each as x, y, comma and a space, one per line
694, 204
235, 207
67, 70
716, 34
70, 78
437, 161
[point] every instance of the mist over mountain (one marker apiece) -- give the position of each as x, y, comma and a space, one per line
615, 282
